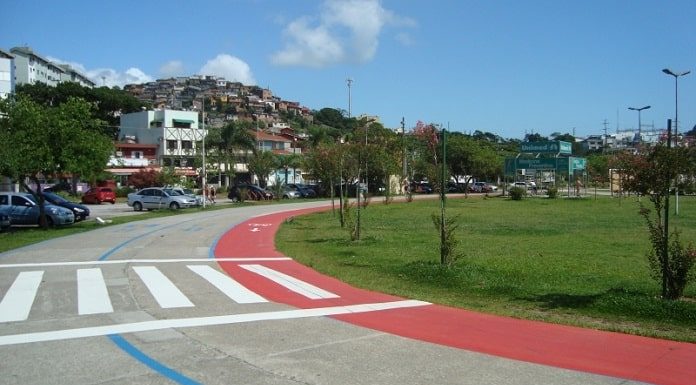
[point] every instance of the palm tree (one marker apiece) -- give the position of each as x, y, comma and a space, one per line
233, 138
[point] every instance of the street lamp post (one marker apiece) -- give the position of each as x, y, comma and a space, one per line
204, 181
676, 122
639, 123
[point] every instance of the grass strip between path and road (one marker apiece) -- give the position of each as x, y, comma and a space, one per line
578, 262
16, 237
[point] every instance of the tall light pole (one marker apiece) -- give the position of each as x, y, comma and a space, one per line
676, 97
676, 122
349, 81
639, 123
204, 181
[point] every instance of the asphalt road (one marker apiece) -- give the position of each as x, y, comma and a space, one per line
144, 303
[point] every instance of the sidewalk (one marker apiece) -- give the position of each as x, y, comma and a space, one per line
587, 350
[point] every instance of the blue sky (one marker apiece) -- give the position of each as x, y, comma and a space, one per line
509, 67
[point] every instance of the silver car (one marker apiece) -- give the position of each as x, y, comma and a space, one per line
23, 209
152, 198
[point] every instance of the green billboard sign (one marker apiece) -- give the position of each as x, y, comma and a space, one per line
562, 164
549, 147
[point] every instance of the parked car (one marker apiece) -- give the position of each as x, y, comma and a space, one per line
97, 195
185, 192
253, 192
484, 187
421, 188
304, 190
5, 222
152, 198
23, 209
81, 212
289, 193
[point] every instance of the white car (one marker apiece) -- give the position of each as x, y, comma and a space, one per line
158, 198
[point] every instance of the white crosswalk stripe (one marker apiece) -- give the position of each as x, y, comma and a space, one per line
227, 285
92, 295
16, 304
165, 292
291, 283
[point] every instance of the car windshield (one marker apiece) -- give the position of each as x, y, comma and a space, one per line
31, 198
54, 197
172, 192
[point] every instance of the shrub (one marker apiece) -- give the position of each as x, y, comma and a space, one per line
552, 192
449, 242
122, 192
517, 193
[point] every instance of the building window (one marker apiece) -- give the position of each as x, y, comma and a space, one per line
155, 124
181, 123
186, 145
137, 154
172, 145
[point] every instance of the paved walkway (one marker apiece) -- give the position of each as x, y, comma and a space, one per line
612, 354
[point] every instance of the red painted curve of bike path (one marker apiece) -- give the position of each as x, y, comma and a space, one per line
587, 350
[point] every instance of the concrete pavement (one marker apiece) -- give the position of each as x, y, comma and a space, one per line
305, 329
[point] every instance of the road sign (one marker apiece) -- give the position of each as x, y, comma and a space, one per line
548, 147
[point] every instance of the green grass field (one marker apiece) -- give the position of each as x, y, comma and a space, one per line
570, 261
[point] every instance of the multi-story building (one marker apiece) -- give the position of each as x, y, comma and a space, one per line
32, 68
176, 134
130, 158
71, 75
7, 77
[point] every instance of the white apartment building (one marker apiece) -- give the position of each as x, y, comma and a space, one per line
71, 75
176, 133
31, 68
7, 80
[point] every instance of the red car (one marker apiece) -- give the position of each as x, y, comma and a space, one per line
98, 195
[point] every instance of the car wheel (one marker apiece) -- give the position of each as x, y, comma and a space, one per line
49, 221
113, 202
137, 206
174, 206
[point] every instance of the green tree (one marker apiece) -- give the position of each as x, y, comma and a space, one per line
652, 174
229, 144
38, 141
108, 103
261, 164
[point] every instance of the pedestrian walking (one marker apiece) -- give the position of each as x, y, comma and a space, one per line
212, 194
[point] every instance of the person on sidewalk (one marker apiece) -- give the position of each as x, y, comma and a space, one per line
211, 194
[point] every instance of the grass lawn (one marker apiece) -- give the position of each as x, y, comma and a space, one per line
570, 261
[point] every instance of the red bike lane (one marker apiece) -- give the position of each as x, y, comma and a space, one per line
612, 354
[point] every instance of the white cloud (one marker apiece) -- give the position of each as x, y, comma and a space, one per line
229, 67
346, 30
172, 68
108, 76
405, 39
313, 47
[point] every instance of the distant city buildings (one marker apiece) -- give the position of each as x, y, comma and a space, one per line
7, 77
32, 68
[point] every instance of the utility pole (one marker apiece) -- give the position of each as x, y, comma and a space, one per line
403, 144
604, 146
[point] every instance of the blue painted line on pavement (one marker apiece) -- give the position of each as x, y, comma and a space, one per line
151, 363
106, 255
211, 251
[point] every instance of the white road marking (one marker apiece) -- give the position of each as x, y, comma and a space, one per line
301, 287
119, 261
164, 291
227, 285
16, 304
92, 295
57, 335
